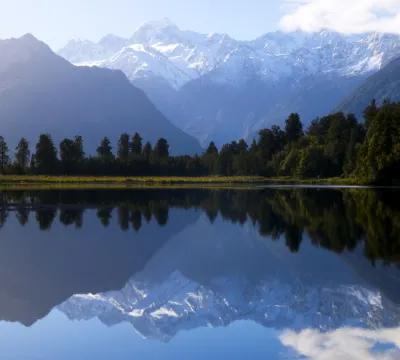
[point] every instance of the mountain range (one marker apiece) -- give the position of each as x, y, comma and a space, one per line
218, 88
187, 87
40, 92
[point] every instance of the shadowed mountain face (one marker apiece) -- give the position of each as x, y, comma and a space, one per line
217, 112
41, 92
282, 258
385, 84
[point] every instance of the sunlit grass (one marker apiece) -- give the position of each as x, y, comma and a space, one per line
78, 182
12, 179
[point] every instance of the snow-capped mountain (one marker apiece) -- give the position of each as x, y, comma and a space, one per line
157, 48
181, 304
220, 89
225, 273
160, 48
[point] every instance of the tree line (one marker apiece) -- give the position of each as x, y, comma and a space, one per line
336, 145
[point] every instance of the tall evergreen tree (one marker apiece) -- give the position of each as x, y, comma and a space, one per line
370, 113
123, 146
266, 146
242, 147
46, 155
351, 154
70, 156
79, 148
254, 147
161, 150
22, 154
293, 128
147, 151
212, 149
4, 156
225, 160
105, 148
210, 158
253, 159
136, 146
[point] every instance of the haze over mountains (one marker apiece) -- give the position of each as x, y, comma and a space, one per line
217, 88
40, 92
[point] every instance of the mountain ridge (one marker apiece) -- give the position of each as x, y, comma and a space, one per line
384, 84
41, 92
217, 88
276, 53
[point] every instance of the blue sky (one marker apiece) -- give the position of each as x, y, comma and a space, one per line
57, 21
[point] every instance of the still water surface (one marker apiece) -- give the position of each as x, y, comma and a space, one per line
192, 274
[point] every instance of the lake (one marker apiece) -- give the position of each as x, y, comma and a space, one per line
263, 273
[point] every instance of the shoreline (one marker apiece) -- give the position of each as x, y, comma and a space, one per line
8, 182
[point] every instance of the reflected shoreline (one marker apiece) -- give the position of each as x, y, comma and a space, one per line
335, 219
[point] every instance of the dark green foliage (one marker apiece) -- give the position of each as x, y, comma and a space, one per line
22, 155
71, 155
293, 128
45, 156
225, 160
379, 156
79, 147
123, 146
136, 146
369, 113
147, 151
212, 149
4, 156
340, 220
210, 159
335, 145
161, 150
105, 148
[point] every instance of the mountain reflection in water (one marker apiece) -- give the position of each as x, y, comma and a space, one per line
318, 265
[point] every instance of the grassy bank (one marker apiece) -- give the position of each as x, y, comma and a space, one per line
10, 182
327, 181
142, 180
39, 181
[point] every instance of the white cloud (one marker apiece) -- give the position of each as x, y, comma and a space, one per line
345, 16
345, 344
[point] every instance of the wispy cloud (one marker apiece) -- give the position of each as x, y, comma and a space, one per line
345, 16
345, 344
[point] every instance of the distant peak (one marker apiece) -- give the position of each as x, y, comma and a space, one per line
31, 42
158, 24
28, 37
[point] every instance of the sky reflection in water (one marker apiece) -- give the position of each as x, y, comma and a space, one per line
270, 274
